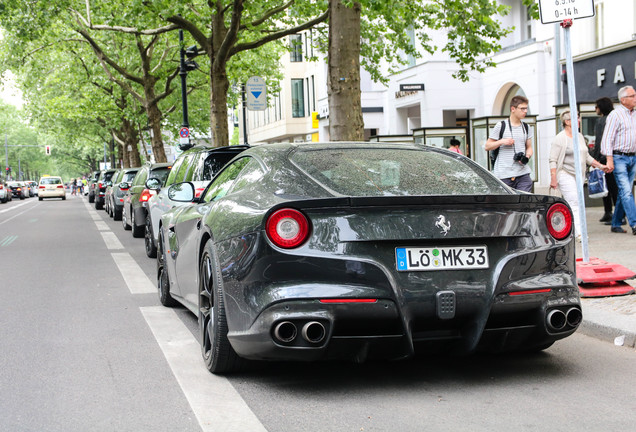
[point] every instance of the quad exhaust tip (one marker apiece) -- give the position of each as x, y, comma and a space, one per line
285, 331
574, 317
313, 332
556, 319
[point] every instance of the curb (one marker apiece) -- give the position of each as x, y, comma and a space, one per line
608, 326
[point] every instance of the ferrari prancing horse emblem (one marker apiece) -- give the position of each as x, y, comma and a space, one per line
443, 224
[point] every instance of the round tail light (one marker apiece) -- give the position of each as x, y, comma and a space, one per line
559, 221
287, 228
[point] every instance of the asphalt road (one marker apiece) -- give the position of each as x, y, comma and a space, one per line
85, 345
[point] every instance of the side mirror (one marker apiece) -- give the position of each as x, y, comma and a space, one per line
153, 183
108, 183
181, 192
124, 185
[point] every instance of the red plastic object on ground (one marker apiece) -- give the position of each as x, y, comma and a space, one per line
599, 278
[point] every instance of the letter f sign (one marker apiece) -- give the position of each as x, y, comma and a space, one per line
600, 77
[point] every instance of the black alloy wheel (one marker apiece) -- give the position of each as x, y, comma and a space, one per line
163, 279
218, 354
151, 249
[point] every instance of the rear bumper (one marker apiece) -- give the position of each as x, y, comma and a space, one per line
505, 307
51, 194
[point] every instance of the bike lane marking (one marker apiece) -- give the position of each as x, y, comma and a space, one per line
214, 401
134, 276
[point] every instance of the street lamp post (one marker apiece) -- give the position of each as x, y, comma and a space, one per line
184, 67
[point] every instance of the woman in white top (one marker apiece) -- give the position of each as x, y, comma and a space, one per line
562, 166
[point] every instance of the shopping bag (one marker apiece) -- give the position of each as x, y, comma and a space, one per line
596, 184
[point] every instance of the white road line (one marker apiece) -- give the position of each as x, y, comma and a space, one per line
134, 276
16, 206
16, 215
101, 225
111, 240
214, 401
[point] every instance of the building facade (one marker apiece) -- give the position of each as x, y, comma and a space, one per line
424, 103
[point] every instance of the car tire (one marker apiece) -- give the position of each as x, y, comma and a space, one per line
149, 240
64, 198
137, 232
117, 214
98, 205
40, 199
163, 279
124, 220
21, 197
111, 211
91, 198
217, 352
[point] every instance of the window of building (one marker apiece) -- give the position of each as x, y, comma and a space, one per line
411, 35
296, 48
527, 24
308, 95
298, 98
313, 93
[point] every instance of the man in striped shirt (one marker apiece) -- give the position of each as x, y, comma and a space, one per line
515, 147
619, 145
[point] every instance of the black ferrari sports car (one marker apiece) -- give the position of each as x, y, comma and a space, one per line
356, 250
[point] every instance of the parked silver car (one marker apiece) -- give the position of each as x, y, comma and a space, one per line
197, 165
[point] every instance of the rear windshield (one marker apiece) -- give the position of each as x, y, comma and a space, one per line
108, 176
129, 176
160, 173
50, 181
213, 164
394, 171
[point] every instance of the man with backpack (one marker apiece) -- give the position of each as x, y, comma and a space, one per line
510, 147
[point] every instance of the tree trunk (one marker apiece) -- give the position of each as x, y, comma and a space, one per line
131, 138
154, 121
343, 79
218, 106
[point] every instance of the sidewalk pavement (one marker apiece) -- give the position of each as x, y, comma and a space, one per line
610, 318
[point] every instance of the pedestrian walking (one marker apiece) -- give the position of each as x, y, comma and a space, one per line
512, 139
563, 167
619, 146
603, 107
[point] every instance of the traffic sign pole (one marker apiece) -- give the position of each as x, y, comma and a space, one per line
574, 119
565, 11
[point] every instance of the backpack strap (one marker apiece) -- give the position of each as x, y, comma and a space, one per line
502, 129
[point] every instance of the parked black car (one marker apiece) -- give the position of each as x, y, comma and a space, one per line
116, 191
100, 187
134, 210
351, 250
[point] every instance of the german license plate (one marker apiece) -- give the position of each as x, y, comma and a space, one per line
441, 258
